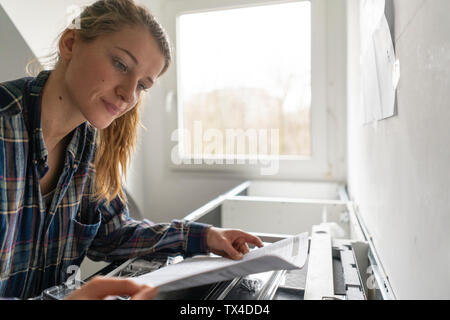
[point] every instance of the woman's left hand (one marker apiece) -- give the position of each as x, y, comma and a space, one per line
230, 243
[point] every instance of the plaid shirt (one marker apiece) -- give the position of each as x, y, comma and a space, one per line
38, 244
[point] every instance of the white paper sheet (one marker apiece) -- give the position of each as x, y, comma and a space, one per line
380, 71
370, 85
371, 12
290, 253
385, 60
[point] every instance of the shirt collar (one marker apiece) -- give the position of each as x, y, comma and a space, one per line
39, 150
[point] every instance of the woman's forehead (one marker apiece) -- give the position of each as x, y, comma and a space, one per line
133, 36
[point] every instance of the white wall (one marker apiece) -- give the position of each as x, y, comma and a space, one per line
14, 52
398, 170
40, 22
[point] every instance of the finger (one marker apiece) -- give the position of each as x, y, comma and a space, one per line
100, 287
146, 294
231, 252
241, 245
255, 240
243, 248
249, 238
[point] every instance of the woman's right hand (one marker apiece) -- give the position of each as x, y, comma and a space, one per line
100, 288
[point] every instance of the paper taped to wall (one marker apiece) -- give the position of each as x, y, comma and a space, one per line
380, 70
290, 253
385, 60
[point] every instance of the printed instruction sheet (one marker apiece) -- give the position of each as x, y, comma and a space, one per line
289, 253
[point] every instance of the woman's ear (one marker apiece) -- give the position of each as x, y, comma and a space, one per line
66, 44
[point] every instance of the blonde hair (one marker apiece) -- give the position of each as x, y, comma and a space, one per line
100, 18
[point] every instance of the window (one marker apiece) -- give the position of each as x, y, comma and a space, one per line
249, 87
245, 70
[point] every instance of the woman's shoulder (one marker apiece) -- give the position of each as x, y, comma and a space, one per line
12, 96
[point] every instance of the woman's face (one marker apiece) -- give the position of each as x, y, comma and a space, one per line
105, 77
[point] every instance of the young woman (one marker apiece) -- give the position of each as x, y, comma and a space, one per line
66, 137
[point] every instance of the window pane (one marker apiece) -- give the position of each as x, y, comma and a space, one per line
245, 72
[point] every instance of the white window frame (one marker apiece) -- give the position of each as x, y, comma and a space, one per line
316, 167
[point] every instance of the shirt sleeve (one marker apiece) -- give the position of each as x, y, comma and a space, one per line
120, 237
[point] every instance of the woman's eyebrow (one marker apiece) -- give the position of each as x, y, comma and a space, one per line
134, 59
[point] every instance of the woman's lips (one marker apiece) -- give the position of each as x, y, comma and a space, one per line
112, 108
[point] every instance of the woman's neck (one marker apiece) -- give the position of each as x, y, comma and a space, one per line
59, 116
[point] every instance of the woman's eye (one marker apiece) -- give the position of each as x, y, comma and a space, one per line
142, 87
123, 68
119, 65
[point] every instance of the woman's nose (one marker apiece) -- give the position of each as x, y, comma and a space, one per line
127, 92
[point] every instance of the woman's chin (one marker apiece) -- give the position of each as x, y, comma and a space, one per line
101, 124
